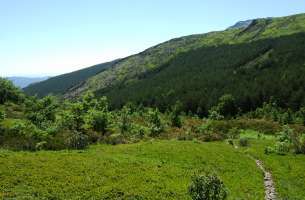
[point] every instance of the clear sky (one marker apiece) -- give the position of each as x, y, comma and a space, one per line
48, 37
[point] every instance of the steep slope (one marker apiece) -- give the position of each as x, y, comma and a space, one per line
241, 24
60, 84
252, 72
131, 69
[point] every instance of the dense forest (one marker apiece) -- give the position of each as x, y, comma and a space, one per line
254, 73
130, 69
31, 123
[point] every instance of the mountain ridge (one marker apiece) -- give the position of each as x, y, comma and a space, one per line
133, 69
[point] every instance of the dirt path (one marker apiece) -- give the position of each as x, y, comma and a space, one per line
270, 193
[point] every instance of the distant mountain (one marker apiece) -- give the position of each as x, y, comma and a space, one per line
59, 85
23, 82
241, 24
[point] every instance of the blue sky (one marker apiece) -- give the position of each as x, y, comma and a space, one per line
49, 37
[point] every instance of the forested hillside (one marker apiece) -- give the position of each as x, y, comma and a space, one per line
131, 69
60, 84
252, 72
254, 62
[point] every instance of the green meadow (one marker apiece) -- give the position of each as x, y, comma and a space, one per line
145, 170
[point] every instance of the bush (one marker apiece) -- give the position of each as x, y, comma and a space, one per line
98, 121
243, 142
214, 115
234, 133
175, 115
77, 141
155, 120
207, 187
231, 142
22, 135
282, 148
139, 130
41, 146
289, 140
269, 150
125, 121
226, 107
115, 139
211, 131
2, 114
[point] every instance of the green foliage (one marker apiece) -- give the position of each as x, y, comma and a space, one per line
175, 115
288, 140
207, 187
8, 92
21, 135
77, 140
156, 124
148, 72
214, 115
42, 112
244, 142
125, 121
234, 133
226, 106
98, 121
115, 139
199, 82
2, 114
141, 169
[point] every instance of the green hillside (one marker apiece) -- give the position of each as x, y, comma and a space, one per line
252, 72
131, 69
60, 84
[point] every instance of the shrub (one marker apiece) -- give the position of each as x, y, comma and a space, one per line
269, 150
289, 140
2, 114
234, 133
125, 121
97, 120
282, 148
185, 136
77, 141
207, 187
226, 107
8, 92
22, 135
231, 142
212, 131
115, 139
139, 130
175, 115
214, 115
176, 120
41, 146
156, 124
244, 142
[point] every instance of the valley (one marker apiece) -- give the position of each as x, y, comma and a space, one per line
211, 116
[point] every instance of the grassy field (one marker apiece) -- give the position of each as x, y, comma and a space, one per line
146, 170
150, 170
288, 171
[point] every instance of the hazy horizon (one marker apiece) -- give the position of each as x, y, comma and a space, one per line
51, 38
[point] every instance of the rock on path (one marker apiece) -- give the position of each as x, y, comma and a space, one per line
270, 193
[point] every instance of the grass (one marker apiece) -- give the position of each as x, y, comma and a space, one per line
147, 170
288, 171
